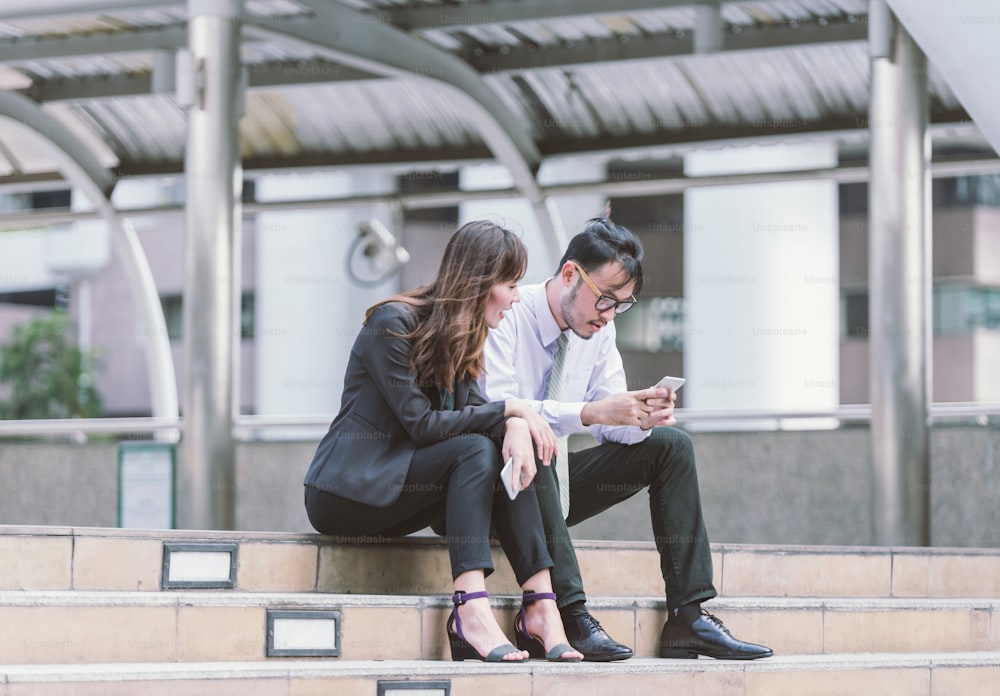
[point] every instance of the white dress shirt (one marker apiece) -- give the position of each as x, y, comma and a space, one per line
518, 359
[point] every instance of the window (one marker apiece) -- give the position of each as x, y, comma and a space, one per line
50, 199
173, 313
31, 298
856, 315
655, 325
981, 189
957, 309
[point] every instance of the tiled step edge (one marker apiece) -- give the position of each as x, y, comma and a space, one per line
177, 626
117, 559
311, 599
12, 674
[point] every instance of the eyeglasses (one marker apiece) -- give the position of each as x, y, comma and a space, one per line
604, 303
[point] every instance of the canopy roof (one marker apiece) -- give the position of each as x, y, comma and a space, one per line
362, 82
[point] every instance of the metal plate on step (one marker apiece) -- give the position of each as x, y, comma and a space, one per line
407, 688
202, 566
292, 633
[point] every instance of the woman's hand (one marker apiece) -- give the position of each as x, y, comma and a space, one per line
517, 446
541, 431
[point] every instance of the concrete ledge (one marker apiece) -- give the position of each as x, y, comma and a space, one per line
924, 674
81, 626
88, 558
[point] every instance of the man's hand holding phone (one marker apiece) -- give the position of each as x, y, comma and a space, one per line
671, 383
663, 413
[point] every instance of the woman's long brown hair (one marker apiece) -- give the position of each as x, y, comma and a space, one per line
451, 311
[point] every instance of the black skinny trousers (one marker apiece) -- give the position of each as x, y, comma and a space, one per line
457, 479
602, 476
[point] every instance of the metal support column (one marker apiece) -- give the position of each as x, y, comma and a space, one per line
899, 274
206, 476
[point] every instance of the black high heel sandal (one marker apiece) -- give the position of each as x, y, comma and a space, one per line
534, 645
460, 648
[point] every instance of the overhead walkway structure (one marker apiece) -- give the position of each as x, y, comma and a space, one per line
338, 84
93, 611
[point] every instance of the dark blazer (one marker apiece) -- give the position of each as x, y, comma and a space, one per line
385, 416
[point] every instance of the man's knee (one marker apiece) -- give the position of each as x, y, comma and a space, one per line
675, 445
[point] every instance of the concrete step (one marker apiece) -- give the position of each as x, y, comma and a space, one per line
83, 626
914, 675
63, 558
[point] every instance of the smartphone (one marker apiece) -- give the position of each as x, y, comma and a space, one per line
673, 383
507, 476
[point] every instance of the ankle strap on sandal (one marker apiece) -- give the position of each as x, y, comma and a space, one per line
530, 596
461, 597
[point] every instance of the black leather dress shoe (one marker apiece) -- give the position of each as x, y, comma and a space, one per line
707, 636
586, 634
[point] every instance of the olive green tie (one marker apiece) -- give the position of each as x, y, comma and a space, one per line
555, 394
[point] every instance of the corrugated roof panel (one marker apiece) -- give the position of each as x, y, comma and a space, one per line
121, 20
628, 97
563, 111
490, 36
800, 93
269, 127
510, 93
69, 116
253, 52
86, 66
138, 129
640, 97
664, 21
88, 23
672, 102
274, 8
355, 117
840, 74
583, 28
441, 117
782, 12
441, 39
612, 105
677, 103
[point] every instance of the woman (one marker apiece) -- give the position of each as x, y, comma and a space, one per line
415, 440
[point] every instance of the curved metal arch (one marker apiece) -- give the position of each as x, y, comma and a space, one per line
84, 171
361, 41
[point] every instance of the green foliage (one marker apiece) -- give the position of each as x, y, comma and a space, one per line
43, 374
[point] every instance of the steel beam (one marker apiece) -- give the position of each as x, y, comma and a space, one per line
439, 199
33, 9
508, 11
206, 475
900, 280
512, 60
261, 76
356, 39
657, 47
134, 41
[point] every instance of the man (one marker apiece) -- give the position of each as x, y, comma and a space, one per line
582, 386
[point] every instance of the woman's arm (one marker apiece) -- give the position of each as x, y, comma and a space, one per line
386, 356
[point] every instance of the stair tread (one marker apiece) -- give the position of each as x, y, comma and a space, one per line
182, 535
442, 668
314, 599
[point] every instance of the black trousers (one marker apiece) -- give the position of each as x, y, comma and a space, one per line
458, 480
608, 474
